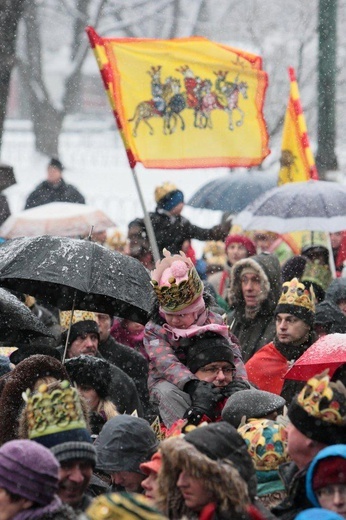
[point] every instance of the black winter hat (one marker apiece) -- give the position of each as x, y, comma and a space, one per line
222, 441
80, 328
253, 403
90, 371
55, 163
208, 348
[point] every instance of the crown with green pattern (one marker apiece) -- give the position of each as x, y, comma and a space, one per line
53, 409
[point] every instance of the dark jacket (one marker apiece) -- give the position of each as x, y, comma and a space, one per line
296, 500
47, 192
171, 231
254, 333
123, 392
132, 363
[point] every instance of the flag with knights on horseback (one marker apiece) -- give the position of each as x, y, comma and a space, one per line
185, 102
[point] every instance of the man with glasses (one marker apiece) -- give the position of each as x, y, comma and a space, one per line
209, 357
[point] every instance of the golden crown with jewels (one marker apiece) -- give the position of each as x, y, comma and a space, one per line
53, 409
295, 293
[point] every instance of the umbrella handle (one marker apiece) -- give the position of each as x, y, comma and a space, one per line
69, 327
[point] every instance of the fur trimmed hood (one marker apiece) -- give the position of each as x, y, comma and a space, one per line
267, 267
24, 376
222, 479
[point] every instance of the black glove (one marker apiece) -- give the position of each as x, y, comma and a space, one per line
204, 400
191, 386
233, 387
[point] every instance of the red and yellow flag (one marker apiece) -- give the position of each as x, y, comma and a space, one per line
184, 103
297, 160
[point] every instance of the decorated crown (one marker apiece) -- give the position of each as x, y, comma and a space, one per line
53, 409
163, 190
295, 293
176, 282
266, 442
65, 317
122, 506
317, 273
324, 400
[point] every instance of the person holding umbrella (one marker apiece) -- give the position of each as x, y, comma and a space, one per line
84, 340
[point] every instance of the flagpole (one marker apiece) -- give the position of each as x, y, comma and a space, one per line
147, 221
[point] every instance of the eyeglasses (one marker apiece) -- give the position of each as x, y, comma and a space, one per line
329, 491
215, 370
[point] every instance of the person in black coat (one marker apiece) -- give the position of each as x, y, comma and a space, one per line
170, 227
54, 189
84, 339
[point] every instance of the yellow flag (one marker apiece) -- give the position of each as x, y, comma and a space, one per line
185, 103
297, 160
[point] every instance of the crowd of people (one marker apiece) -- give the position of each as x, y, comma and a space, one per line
190, 415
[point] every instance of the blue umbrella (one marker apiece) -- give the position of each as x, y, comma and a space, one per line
234, 191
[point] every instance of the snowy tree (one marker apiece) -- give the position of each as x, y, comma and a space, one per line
10, 13
284, 32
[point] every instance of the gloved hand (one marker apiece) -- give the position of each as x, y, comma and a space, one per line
221, 231
205, 398
234, 386
191, 386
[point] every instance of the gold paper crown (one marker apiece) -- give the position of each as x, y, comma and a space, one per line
65, 317
266, 442
317, 273
53, 409
163, 190
122, 506
324, 400
295, 293
177, 296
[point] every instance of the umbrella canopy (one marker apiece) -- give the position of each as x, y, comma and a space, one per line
7, 177
56, 218
61, 270
17, 322
327, 352
234, 191
298, 206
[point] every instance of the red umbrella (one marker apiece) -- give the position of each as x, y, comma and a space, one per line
327, 352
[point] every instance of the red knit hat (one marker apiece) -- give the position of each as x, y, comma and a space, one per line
329, 471
241, 239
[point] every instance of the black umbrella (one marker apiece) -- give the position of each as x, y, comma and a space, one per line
17, 323
77, 274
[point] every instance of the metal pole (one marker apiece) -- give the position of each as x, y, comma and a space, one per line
147, 221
